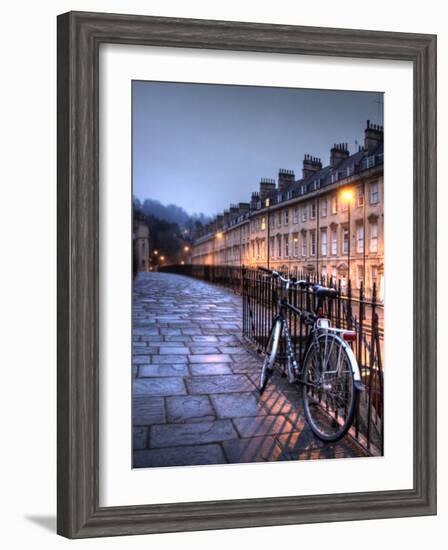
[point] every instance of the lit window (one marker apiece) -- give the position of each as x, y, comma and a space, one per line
295, 248
334, 205
360, 196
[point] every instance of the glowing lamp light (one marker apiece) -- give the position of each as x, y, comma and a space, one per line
156, 252
219, 235
162, 258
347, 195
186, 248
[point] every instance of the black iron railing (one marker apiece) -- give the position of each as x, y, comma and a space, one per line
351, 309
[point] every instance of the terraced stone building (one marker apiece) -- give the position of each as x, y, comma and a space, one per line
330, 221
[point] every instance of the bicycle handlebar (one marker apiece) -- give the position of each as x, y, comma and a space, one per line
330, 292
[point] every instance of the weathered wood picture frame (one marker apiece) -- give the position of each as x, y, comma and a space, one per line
79, 38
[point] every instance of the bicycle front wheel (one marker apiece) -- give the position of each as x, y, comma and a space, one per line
329, 392
271, 353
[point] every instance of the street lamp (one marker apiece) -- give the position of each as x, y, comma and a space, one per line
347, 197
267, 203
186, 248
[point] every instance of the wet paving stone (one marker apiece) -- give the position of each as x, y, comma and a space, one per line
168, 435
263, 425
160, 370
148, 410
254, 449
219, 384
232, 405
179, 456
202, 369
139, 437
210, 358
189, 407
159, 386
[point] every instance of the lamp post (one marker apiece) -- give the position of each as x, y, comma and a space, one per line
347, 197
267, 203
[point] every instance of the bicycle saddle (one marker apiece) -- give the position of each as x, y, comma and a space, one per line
324, 292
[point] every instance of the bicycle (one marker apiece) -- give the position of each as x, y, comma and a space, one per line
329, 373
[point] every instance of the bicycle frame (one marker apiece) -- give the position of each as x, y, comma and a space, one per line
294, 370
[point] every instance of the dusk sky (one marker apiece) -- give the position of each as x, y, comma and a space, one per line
203, 146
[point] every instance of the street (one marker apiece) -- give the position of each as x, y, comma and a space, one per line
195, 397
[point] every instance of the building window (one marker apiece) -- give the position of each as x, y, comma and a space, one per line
334, 242
323, 210
279, 219
272, 247
296, 214
360, 196
304, 213
334, 205
295, 246
286, 216
374, 275
303, 244
253, 250
334, 273
313, 211
360, 275
313, 243
286, 245
374, 192
360, 239
263, 249
279, 246
263, 223
324, 242
374, 237
258, 249
345, 240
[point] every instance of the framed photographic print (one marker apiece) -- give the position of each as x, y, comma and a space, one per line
246, 274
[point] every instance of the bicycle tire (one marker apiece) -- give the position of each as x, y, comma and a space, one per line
327, 421
271, 353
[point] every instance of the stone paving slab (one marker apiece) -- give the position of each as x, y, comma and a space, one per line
168, 435
195, 397
219, 384
159, 386
188, 408
148, 410
161, 370
233, 405
179, 456
202, 369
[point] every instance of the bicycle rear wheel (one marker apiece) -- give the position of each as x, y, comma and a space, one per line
329, 391
271, 353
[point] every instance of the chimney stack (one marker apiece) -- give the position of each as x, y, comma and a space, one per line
338, 153
267, 186
243, 207
373, 136
285, 178
310, 165
254, 200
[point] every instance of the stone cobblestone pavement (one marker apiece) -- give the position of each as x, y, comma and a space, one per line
195, 399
